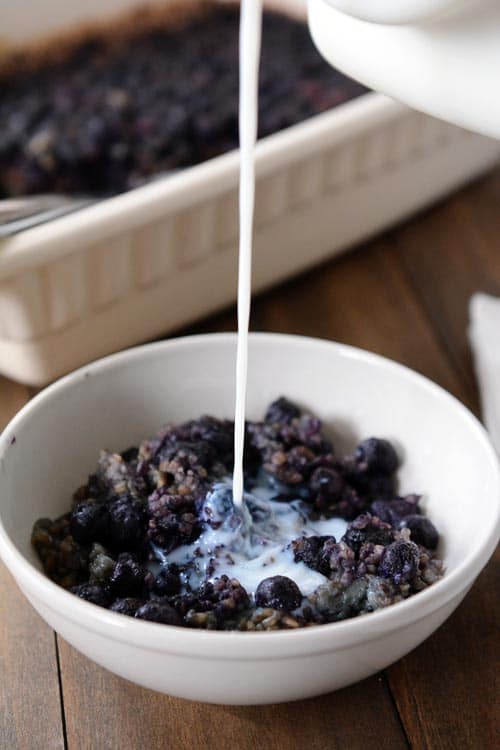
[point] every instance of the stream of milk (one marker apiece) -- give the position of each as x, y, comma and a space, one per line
250, 36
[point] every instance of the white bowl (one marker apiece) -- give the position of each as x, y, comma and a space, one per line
53, 443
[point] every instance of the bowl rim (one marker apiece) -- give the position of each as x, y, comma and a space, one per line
235, 644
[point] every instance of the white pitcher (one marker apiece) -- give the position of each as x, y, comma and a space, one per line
438, 56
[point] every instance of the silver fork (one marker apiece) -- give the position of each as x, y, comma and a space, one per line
29, 211
17, 214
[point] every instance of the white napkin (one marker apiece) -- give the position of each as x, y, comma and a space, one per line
484, 336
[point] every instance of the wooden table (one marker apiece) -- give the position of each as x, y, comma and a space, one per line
404, 295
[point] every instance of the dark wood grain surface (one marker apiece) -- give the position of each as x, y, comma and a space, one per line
404, 295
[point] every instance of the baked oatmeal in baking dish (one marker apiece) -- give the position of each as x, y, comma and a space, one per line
156, 93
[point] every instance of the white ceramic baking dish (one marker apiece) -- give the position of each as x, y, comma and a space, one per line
158, 257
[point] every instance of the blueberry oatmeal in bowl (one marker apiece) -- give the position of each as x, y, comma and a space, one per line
51, 447
154, 533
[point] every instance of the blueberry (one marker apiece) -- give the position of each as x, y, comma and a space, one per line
130, 454
101, 564
278, 592
381, 485
355, 596
217, 506
127, 578
370, 486
282, 410
167, 582
394, 510
89, 523
376, 456
399, 562
422, 531
159, 611
329, 601
350, 505
127, 606
187, 455
380, 592
337, 560
287, 492
224, 596
383, 509
331, 494
94, 487
218, 434
91, 592
367, 529
306, 431
306, 549
127, 523
354, 538
327, 483
334, 604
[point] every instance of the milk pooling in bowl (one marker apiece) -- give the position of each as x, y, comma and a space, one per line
251, 541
